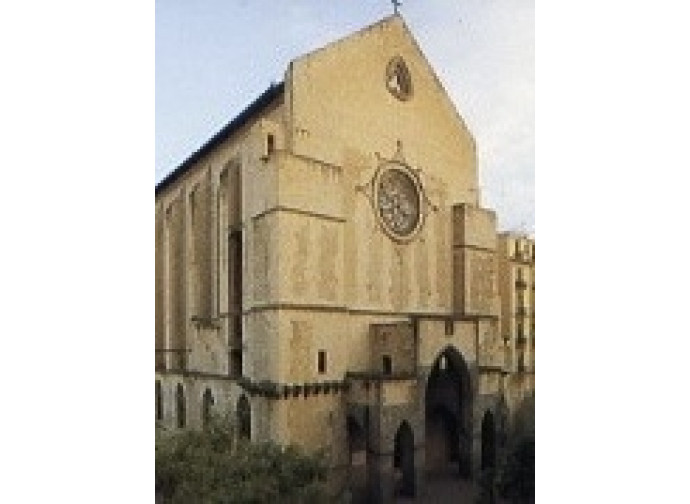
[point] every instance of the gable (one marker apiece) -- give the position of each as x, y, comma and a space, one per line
342, 112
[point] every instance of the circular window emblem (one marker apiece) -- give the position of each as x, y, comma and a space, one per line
398, 201
398, 80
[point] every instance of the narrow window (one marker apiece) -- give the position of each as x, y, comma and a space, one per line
208, 403
159, 401
181, 407
322, 361
192, 204
270, 144
450, 328
235, 302
387, 365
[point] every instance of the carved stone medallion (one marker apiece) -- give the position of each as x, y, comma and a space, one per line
397, 201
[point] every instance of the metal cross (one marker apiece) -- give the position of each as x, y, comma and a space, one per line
396, 4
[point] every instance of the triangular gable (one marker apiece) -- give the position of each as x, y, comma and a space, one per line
339, 104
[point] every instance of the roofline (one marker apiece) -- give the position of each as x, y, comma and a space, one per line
259, 104
348, 36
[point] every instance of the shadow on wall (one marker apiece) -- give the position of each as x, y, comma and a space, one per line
524, 419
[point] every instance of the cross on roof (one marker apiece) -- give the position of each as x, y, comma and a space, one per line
396, 4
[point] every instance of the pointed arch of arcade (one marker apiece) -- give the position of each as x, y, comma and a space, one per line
356, 439
403, 460
159, 401
357, 450
244, 418
207, 402
448, 415
180, 406
488, 441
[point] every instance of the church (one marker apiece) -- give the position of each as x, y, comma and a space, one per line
326, 273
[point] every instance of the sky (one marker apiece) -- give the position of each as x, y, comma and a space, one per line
215, 57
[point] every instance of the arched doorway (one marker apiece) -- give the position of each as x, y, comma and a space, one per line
403, 461
488, 441
448, 416
244, 418
357, 450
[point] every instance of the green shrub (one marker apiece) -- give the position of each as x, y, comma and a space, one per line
516, 477
211, 466
486, 493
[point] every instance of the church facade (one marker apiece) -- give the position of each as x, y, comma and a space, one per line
326, 273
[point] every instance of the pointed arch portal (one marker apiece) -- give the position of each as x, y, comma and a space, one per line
448, 415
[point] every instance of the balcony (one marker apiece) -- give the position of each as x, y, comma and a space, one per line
176, 359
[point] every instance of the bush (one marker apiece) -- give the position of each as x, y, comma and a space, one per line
486, 487
516, 477
210, 466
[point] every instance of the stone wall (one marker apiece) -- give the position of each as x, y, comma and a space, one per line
320, 274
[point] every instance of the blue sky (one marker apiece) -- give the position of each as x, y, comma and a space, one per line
214, 57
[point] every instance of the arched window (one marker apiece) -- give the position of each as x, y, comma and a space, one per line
244, 418
181, 406
159, 401
207, 404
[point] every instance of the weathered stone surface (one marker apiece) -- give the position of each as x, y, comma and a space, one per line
270, 252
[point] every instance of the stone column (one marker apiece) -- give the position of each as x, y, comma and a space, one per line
380, 467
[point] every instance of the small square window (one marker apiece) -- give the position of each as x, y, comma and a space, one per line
322, 362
